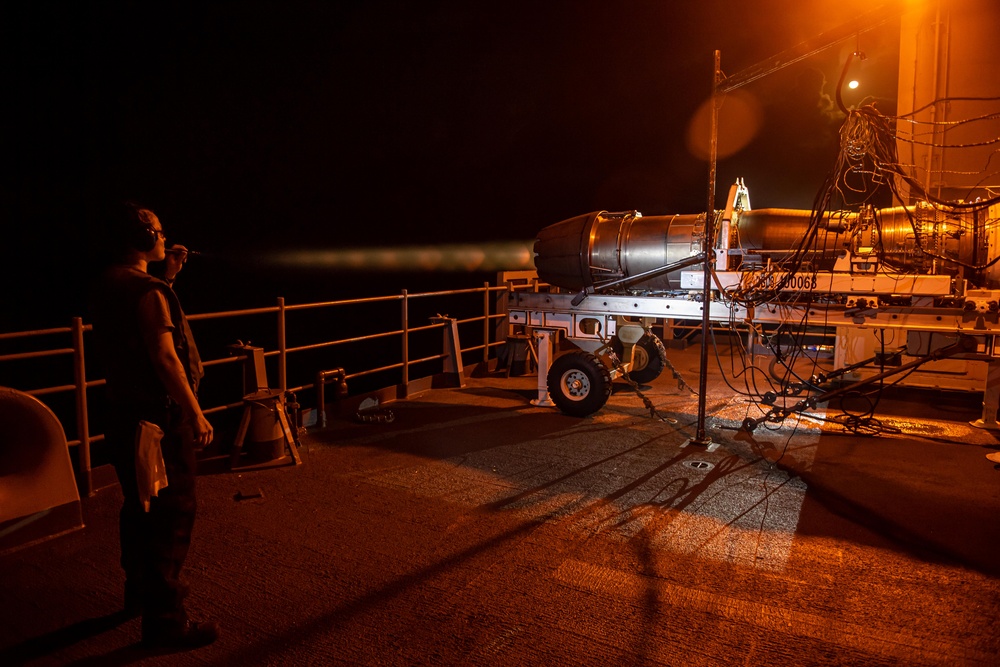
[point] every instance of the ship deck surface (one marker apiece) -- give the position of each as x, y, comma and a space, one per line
477, 529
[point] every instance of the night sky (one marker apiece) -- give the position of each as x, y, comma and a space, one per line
255, 126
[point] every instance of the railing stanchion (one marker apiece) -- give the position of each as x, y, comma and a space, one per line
405, 314
82, 422
486, 323
282, 349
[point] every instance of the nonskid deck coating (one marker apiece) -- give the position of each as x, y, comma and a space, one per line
476, 529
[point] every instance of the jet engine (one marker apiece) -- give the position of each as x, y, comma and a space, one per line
626, 249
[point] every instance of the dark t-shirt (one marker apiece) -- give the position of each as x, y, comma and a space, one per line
132, 309
154, 318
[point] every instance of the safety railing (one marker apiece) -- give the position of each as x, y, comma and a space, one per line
481, 316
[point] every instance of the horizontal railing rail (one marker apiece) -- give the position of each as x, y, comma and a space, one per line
488, 313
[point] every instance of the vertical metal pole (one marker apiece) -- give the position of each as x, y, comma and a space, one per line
486, 322
82, 422
701, 437
406, 342
282, 350
321, 399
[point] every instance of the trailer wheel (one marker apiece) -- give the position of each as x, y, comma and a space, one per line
579, 383
649, 358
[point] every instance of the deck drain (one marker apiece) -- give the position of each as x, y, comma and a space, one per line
699, 465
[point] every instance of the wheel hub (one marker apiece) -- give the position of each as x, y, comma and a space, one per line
577, 384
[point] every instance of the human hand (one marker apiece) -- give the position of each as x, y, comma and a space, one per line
200, 431
175, 258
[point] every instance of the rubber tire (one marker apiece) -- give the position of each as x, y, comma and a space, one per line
579, 383
649, 358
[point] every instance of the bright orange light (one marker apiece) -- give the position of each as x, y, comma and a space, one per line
739, 119
853, 84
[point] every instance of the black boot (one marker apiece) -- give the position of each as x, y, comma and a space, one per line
133, 598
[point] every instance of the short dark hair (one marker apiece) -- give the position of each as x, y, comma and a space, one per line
131, 226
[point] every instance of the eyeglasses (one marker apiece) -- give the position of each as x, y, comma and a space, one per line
160, 234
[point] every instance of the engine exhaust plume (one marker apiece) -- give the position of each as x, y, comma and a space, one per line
494, 256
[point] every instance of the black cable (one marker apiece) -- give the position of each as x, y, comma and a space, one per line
949, 99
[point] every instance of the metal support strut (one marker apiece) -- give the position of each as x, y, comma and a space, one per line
701, 437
